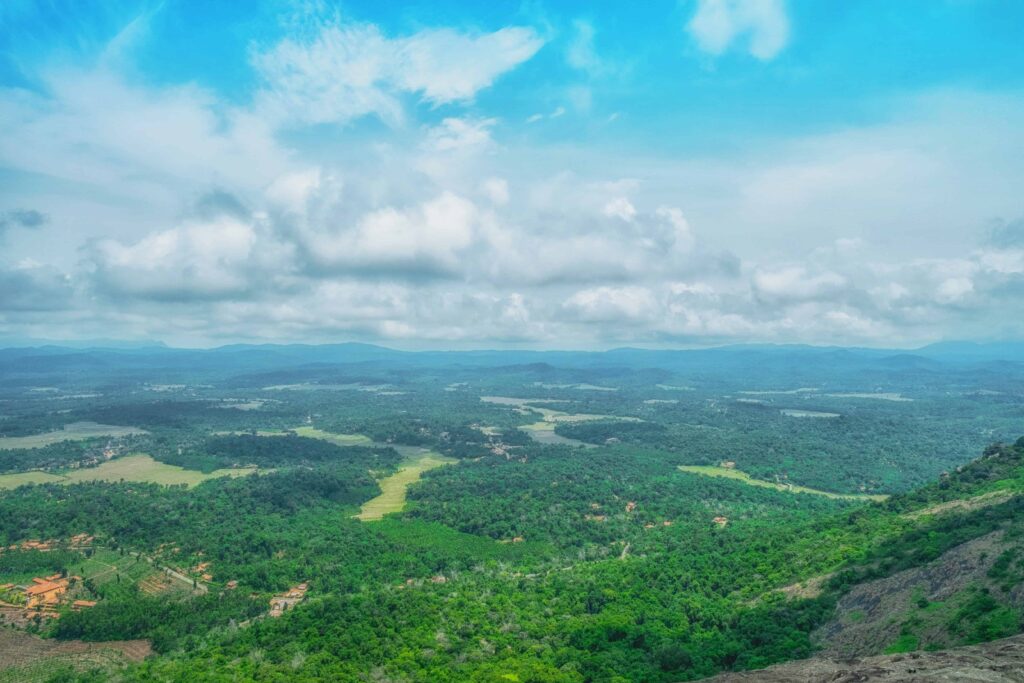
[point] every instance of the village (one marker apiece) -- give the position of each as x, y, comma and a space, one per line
42, 598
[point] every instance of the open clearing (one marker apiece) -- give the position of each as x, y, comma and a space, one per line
544, 431
581, 387
778, 392
25, 657
337, 439
877, 395
393, 488
726, 473
311, 433
75, 431
138, 467
813, 414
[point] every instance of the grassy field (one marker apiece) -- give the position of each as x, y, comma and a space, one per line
793, 412
393, 488
726, 473
337, 439
129, 468
117, 574
13, 481
71, 432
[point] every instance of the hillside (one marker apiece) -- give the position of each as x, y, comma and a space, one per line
916, 608
1000, 661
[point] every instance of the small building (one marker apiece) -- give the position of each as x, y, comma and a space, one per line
720, 521
45, 593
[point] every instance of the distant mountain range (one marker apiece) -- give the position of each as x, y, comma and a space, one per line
772, 362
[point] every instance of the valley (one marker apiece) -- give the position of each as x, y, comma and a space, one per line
515, 521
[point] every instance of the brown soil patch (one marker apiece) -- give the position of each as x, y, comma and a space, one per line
19, 650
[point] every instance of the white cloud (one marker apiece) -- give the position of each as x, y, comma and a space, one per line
450, 231
954, 289
207, 259
346, 70
94, 128
496, 189
456, 134
425, 240
761, 25
620, 208
605, 304
794, 283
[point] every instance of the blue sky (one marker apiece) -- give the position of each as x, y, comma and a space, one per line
571, 174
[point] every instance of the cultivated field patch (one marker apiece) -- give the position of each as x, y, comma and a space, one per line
877, 395
26, 658
394, 487
737, 475
813, 414
544, 430
137, 467
337, 439
76, 431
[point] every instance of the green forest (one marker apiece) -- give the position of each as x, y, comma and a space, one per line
590, 557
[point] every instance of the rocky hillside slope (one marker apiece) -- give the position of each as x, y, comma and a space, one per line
1000, 661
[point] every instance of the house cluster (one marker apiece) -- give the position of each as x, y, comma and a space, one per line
98, 456
47, 592
202, 569
43, 546
285, 601
76, 542
43, 596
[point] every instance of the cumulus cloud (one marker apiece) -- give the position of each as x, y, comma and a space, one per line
221, 252
456, 228
345, 70
425, 240
761, 27
794, 283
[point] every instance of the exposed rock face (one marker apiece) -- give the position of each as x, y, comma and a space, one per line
1000, 661
882, 605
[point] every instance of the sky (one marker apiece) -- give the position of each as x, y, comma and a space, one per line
535, 174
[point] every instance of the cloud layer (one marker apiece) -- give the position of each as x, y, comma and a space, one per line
360, 190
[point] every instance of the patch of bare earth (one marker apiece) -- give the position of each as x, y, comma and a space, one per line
20, 650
